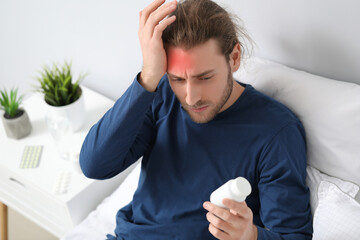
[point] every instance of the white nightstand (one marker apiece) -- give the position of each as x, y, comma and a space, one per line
31, 191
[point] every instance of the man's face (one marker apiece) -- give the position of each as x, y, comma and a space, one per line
201, 79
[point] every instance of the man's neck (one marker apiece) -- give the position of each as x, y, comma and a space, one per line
235, 94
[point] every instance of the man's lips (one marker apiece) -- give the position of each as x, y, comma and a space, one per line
200, 109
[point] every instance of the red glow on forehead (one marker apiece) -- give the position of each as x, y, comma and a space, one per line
179, 61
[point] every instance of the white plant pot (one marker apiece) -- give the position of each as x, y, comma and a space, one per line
64, 120
73, 114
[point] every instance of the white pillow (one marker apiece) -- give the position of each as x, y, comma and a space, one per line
337, 215
328, 109
313, 179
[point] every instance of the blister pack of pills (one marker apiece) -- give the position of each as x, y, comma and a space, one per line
62, 182
31, 156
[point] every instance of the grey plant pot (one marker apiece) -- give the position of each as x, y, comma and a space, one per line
17, 128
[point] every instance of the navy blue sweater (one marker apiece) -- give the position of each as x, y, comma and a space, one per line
183, 162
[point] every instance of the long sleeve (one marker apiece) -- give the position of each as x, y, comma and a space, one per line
284, 196
121, 136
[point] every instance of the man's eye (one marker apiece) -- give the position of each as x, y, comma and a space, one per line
205, 78
177, 79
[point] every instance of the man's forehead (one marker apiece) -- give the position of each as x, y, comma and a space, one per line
180, 60
194, 60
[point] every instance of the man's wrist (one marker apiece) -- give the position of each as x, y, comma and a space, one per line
148, 83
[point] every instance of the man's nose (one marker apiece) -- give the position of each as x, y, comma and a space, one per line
193, 94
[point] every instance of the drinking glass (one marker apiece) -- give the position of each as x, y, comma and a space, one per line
60, 130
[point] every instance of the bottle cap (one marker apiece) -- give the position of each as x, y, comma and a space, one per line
240, 187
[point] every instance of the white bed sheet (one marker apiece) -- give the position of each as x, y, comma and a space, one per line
102, 220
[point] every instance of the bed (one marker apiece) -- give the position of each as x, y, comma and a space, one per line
306, 56
330, 112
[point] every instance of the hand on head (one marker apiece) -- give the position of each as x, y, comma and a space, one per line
152, 23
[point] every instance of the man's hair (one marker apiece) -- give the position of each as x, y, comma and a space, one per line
198, 21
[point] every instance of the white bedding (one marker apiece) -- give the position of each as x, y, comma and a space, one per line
329, 110
102, 220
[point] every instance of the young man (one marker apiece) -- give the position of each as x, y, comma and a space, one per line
196, 128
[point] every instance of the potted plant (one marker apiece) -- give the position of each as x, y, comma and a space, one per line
15, 119
63, 96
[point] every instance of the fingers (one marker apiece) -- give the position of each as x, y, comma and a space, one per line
240, 208
234, 222
155, 12
158, 30
218, 222
220, 212
218, 233
144, 14
157, 16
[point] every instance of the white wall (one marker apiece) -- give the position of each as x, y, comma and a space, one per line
319, 36
100, 37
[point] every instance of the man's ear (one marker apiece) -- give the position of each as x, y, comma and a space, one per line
235, 58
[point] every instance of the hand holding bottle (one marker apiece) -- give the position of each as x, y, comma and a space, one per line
229, 216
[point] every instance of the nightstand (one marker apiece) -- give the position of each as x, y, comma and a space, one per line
31, 191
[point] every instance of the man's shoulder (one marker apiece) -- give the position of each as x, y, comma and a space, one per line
270, 113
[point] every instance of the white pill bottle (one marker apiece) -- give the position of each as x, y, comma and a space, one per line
236, 189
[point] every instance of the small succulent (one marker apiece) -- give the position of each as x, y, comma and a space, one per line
57, 86
10, 103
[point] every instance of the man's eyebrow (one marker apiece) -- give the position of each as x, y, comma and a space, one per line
195, 76
204, 73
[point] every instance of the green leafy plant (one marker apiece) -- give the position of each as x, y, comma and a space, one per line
57, 86
10, 103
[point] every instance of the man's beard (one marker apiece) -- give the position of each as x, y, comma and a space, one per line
215, 108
